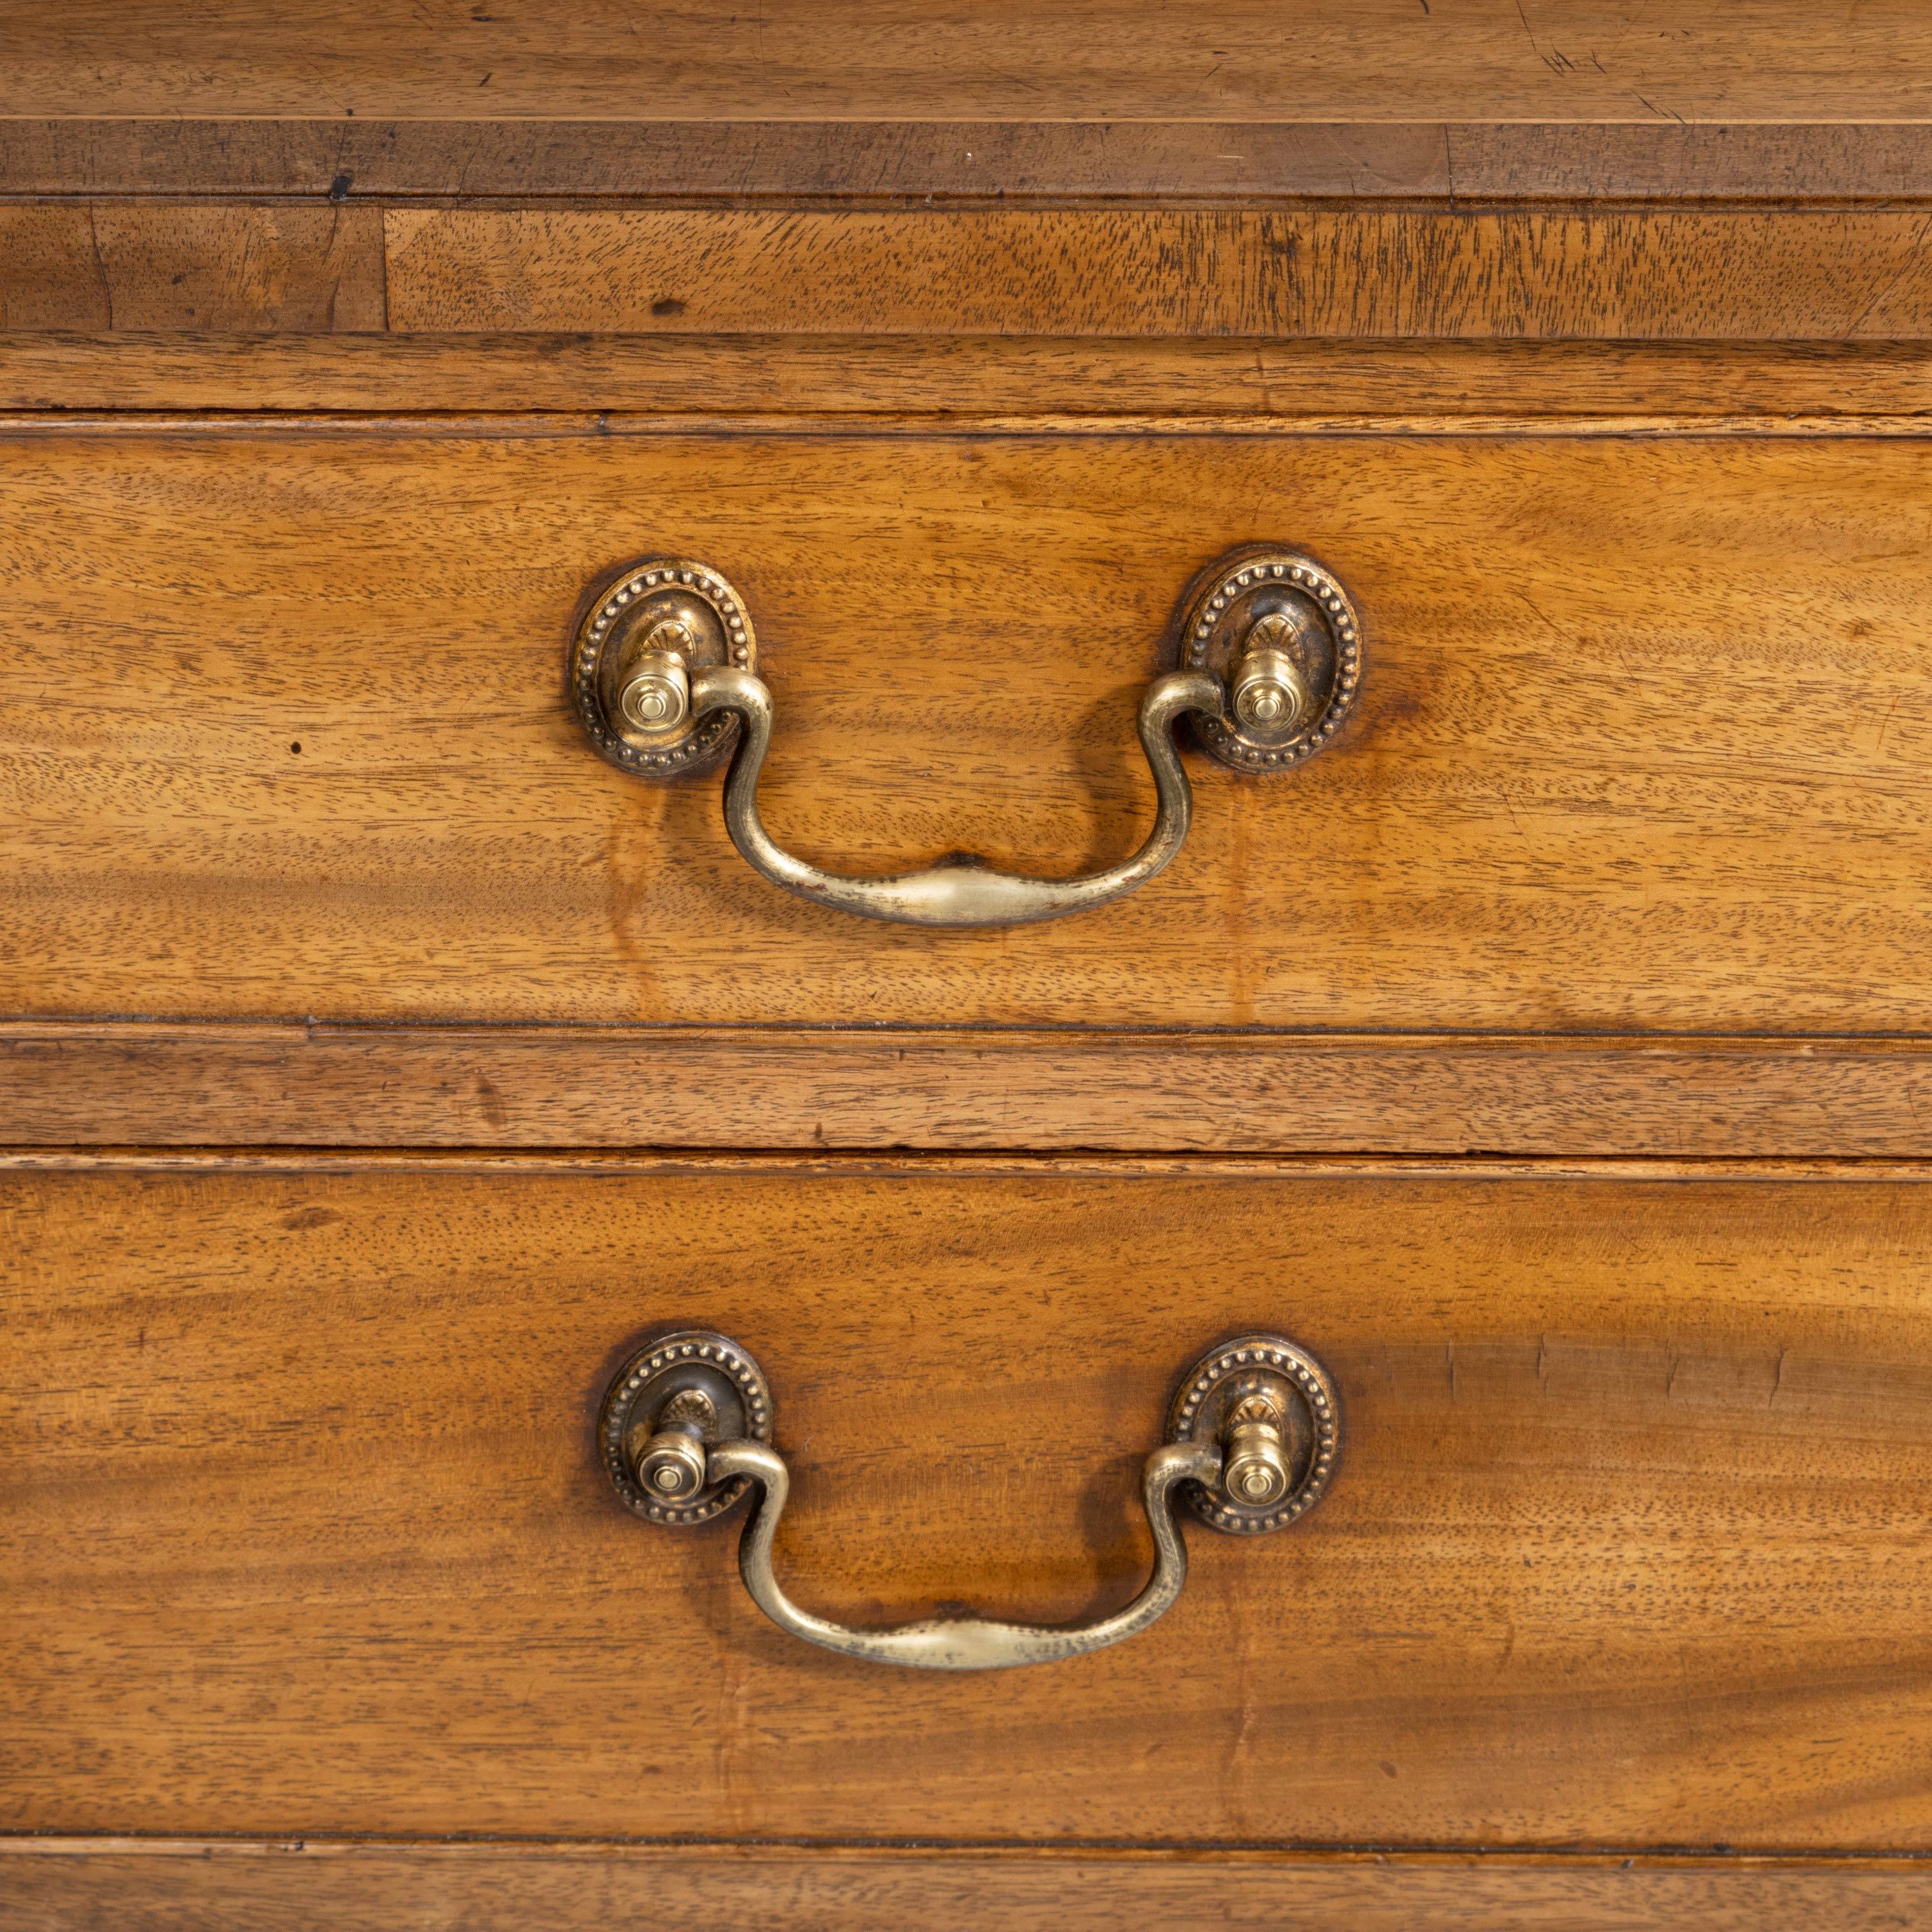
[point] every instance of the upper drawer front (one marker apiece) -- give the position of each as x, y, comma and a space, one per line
304, 1527
1642, 741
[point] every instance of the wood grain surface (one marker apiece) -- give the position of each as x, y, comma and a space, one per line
1010, 162
1642, 746
1791, 389
1584, 340
1305, 270
221, 267
1343, 272
223, 1886
303, 1533
1237, 60
66, 1083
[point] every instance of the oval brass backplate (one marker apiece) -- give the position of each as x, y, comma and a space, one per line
1264, 607
1262, 1386
661, 611
694, 1380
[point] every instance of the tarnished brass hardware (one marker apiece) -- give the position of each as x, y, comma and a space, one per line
1273, 1409
669, 1403
663, 677
1253, 1437
668, 1462
656, 695
1282, 633
960, 892
1269, 694
1255, 1470
649, 631
670, 1465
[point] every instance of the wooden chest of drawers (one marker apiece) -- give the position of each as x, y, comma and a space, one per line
1399, 1296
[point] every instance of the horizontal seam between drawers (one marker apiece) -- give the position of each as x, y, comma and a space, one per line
1421, 1854
268, 1029
965, 1165
563, 424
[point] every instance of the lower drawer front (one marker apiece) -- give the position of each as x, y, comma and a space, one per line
305, 1530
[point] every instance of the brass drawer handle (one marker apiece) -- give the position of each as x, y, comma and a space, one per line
664, 677
1253, 1437
959, 892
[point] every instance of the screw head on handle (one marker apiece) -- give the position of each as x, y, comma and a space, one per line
1254, 1469
657, 697
671, 1466
1269, 692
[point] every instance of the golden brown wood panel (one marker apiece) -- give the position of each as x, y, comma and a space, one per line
64, 265
1642, 744
303, 1531
265, 1888
1238, 60
1007, 161
64, 1083
1311, 271
1345, 272
953, 376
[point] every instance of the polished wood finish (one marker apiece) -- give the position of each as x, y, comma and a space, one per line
806, 60
220, 267
1012, 162
65, 1083
1604, 388
1675, 787
1307, 270
224, 1886
340, 352
304, 1532
1347, 272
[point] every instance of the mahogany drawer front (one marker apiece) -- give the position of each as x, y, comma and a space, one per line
305, 1530
1641, 743
1536, 1080
494, 1887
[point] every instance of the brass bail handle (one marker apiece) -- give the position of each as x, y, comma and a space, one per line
1253, 1436
664, 678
